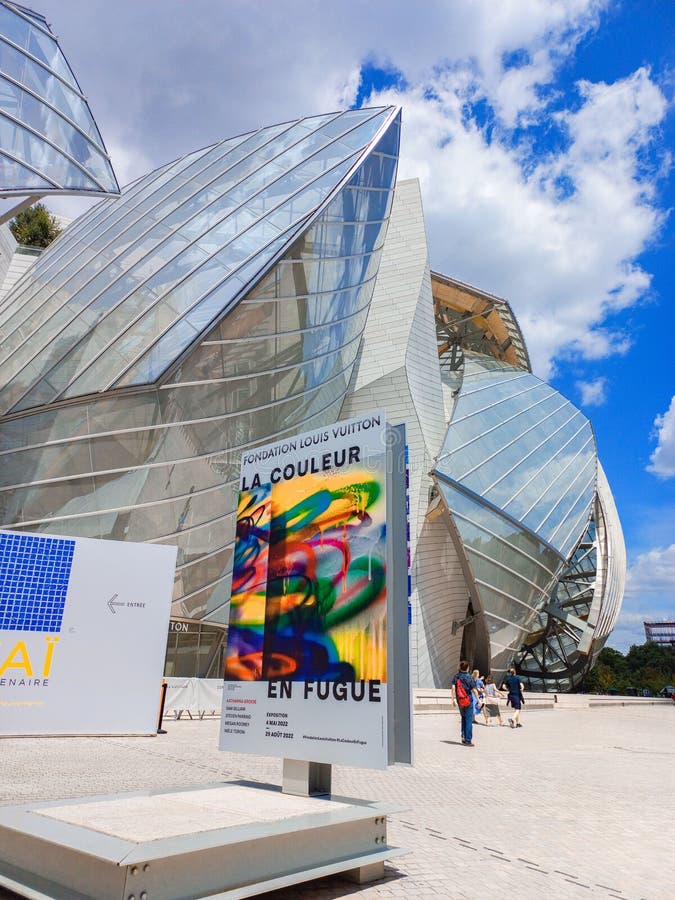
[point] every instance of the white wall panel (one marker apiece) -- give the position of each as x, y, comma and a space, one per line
614, 564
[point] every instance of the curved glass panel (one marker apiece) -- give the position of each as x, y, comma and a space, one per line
47, 131
171, 467
513, 572
522, 447
557, 653
517, 471
210, 410
181, 247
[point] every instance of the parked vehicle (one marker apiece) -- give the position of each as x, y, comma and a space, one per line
668, 691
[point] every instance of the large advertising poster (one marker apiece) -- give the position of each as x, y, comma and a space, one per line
83, 629
306, 668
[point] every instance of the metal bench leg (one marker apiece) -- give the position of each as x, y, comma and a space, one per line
364, 874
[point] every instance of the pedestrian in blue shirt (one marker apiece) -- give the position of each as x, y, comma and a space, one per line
479, 703
514, 688
468, 687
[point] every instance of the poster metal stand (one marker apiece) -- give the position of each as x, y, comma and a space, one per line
306, 779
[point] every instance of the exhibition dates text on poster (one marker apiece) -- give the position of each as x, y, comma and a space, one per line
306, 667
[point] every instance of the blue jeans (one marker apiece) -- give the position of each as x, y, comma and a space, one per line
466, 712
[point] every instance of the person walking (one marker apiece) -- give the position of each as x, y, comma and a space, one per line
514, 689
463, 689
479, 700
492, 696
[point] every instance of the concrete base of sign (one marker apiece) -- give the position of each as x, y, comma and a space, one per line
227, 840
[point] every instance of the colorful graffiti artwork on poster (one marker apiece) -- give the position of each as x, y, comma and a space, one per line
308, 587
249, 585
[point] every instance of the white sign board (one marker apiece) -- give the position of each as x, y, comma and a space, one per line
320, 721
83, 631
306, 672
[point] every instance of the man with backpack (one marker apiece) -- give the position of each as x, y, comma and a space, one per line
463, 686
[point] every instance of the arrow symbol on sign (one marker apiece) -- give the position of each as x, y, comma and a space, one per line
112, 604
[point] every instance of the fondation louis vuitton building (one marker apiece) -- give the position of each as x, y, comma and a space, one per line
270, 284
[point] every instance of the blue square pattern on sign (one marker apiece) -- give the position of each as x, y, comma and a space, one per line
34, 575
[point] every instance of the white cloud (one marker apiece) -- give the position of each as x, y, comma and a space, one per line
557, 235
129, 161
630, 630
175, 72
564, 262
662, 460
652, 574
650, 587
593, 393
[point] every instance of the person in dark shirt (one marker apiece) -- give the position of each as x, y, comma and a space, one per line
514, 688
466, 712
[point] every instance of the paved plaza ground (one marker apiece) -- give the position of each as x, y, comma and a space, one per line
575, 803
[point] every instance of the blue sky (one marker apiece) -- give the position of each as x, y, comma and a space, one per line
639, 386
541, 132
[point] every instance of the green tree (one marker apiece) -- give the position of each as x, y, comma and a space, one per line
646, 665
35, 226
599, 680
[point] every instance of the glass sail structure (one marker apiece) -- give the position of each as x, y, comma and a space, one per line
133, 287
551, 657
49, 141
517, 472
217, 305
574, 626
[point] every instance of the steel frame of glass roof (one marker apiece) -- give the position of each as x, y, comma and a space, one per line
470, 319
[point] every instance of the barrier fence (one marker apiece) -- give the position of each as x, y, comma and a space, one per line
199, 697
193, 697
437, 701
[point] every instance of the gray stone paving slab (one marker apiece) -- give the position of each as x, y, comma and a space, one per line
158, 816
577, 803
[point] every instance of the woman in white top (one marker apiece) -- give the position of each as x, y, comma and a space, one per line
491, 706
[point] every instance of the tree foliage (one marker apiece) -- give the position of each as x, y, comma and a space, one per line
648, 665
35, 226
